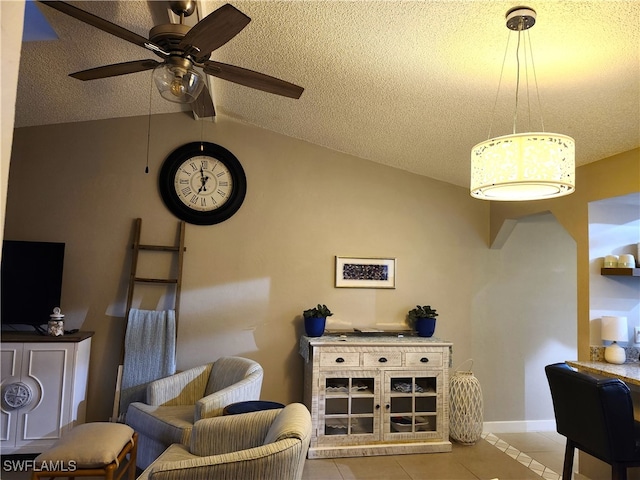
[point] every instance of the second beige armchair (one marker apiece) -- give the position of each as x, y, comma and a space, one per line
264, 445
176, 402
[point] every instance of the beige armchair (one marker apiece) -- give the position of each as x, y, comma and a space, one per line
176, 402
265, 445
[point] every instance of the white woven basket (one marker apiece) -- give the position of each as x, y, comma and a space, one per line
465, 422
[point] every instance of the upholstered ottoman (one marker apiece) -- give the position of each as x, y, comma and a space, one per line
96, 449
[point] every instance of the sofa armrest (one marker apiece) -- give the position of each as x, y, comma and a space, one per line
231, 433
183, 388
174, 454
279, 460
246, 389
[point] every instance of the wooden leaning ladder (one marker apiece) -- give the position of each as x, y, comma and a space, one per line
137, 246
174, 249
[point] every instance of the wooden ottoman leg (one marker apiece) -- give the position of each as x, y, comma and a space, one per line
132, 457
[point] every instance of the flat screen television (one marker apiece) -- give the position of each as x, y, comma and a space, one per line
30, 282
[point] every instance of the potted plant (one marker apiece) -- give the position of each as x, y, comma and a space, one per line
423, 320
315, 319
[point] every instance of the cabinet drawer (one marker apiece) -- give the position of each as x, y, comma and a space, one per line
339, 359
382, 359
423, 359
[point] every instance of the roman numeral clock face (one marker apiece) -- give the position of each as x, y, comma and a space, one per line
202, 183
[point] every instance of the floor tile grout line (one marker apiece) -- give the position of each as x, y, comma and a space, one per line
523, 458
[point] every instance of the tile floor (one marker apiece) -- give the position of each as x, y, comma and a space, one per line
504, 456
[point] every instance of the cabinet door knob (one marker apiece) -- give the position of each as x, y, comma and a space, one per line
339, 360
17, 395
387, 406
424, 359
377, 407
382, 360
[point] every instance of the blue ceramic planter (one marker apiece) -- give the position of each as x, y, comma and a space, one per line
425, 326
314, 326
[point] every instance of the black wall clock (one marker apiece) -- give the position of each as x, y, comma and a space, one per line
202, 183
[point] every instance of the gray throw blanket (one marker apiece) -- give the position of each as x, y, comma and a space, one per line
149, 353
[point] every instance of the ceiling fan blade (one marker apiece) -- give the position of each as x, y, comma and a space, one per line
103, 24
203, 105
115, 70
214, 30
252, 79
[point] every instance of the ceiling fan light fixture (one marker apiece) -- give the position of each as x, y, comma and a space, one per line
177, 80
181, 47
523, 166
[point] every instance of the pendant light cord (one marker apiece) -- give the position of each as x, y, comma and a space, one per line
495, 103
515, 108
535, 81
528, 56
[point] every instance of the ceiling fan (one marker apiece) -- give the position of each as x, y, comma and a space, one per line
181, 48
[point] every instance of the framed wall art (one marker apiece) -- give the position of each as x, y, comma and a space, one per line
358, 272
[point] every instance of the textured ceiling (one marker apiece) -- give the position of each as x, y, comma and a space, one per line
408, 84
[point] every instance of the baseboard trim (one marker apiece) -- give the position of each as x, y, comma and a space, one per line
520, 426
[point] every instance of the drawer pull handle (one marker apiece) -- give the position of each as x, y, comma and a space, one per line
339, 360
382, 360
424, 360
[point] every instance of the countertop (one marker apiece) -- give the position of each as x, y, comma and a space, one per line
627, 372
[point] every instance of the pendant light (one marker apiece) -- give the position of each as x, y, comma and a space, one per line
523, 166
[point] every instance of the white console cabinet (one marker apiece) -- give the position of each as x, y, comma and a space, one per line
44, 389
376, 394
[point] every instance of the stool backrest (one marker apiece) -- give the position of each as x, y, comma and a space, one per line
596, 414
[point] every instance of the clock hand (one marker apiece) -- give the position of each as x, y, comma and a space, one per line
204, 181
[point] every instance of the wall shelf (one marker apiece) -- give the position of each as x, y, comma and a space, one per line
626, 272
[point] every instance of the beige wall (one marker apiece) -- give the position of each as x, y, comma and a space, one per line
612, 177
247, 280
11, 15
529, 320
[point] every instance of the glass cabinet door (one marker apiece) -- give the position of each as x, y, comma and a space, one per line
348, 404
412, 403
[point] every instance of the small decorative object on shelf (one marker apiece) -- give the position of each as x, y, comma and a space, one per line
315, 320
466, 407
423, 320
624, 265
626, 260
55, 327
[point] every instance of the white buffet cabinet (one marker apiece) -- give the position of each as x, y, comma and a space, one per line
376, 394
44, 388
